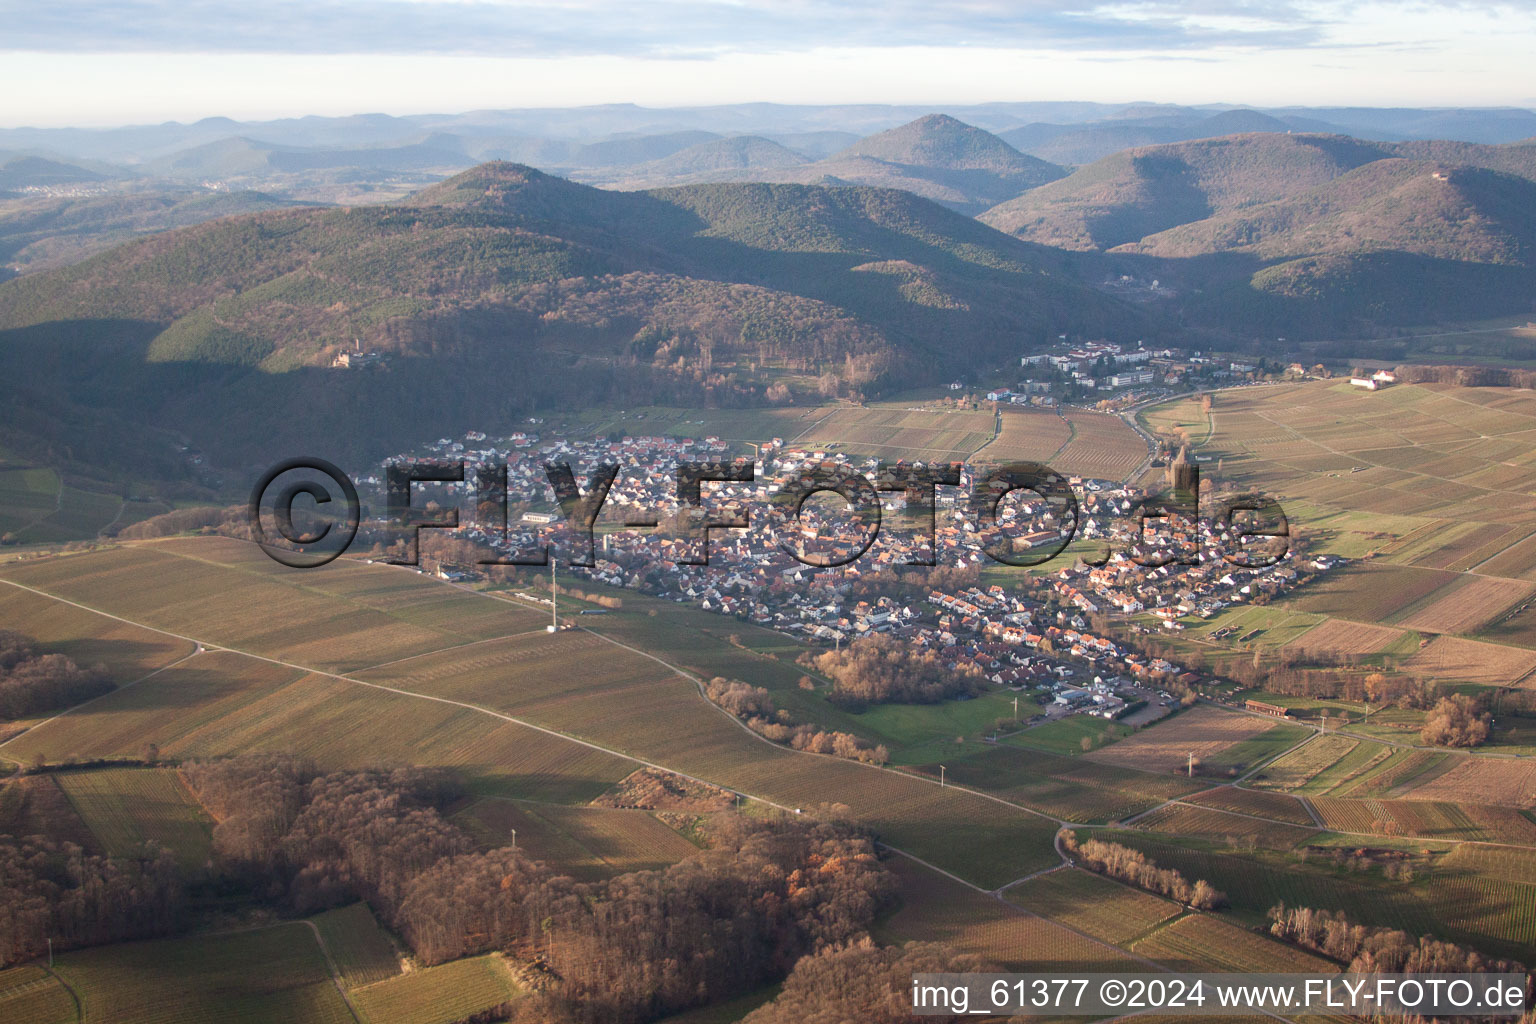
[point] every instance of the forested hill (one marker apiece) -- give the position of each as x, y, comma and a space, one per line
502, 290
1304, 235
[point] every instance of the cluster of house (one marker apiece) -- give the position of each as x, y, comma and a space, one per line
1107, 366
760, 573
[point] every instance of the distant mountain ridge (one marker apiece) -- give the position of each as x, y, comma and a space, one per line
503, 289
935, 156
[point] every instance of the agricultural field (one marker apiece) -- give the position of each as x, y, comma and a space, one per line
1027, 435
1401, 770
1337, 636
1256, 880
127, 807
1465, 605
30, 995
1075, 789
1207, 943
362, 952
945, 435
1298, 767
1103, 447
438, 995
1375, 592
81, 515
124, 651
1516, 561
442, 707
227, 592
1182, 415
1091, 903
1322, 765
27, 496
222, 703
1266, 626
211, 978
1275, 806
936, 909
588, 843
1454, 659
1207, 733
1481, 780
1232, 829
1426, 819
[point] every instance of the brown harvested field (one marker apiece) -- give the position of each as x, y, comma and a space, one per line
1483, 780
1453, 659
1028, 435
926, 433
1207, 943
1277, 806
1202, 731
126, 652
1340, 637
937, 909
1470, 603
1518, 560
1427, 819
349, 616
1371, 591
1094, 904
575, 683
1209, 823
1102, 447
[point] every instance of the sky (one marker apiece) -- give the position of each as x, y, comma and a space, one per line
104, 62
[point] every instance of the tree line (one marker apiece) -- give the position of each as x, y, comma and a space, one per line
32, 682
1133, 866
52, 890
1369, 950
754, 707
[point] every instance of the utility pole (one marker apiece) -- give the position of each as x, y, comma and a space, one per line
554, 597
1191, 764
1015, 711
941, 776
50, 952
514, 840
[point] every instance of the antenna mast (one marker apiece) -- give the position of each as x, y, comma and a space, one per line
554, 598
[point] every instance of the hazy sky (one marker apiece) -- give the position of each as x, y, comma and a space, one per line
135, 61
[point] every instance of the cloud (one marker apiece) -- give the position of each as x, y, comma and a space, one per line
659, 28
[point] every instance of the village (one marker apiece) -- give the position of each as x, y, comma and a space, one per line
1065, 637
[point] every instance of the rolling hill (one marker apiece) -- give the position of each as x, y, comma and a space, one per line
38, 233
1300, 234
504, 290
936, 156
1130, 195
1413, 206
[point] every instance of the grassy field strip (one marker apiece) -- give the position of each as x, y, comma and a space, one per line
554, 733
